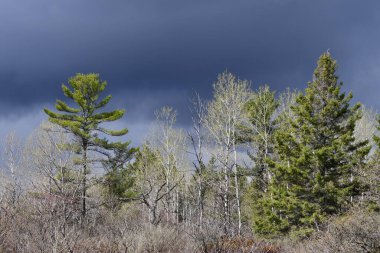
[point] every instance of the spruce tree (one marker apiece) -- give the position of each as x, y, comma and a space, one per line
84, 122
314, 175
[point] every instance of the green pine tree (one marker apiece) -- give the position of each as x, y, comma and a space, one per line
118, 181
315, 174
84, 122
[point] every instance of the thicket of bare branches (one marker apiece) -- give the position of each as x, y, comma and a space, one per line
188, 191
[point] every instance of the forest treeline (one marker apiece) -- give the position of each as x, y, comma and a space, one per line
257, 171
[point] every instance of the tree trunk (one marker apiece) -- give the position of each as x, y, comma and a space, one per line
237, 189
225, 199
84, 180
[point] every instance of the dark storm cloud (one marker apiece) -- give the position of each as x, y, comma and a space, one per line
157, 52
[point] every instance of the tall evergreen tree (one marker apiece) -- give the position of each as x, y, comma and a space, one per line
314, 175
84, 122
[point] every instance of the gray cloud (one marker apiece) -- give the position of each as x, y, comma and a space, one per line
154, 53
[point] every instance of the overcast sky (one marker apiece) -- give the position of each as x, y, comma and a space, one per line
158, 52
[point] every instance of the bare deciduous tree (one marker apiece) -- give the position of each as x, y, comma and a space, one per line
197, 139
224, 115
170, 144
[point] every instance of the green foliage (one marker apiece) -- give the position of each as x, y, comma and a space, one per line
259, 132
84, 122
315, 174
119, 180
260, 111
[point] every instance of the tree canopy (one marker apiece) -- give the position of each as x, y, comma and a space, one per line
83, 120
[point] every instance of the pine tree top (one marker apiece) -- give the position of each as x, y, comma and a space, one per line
324, 75
84, 120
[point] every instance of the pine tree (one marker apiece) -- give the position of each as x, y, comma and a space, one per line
118, 181
84, 121
314, 175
